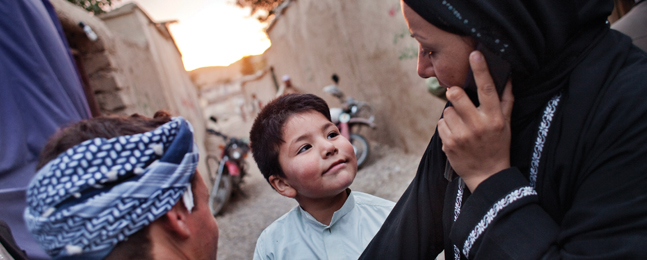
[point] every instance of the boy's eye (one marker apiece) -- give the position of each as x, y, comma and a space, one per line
332, 134
304, 148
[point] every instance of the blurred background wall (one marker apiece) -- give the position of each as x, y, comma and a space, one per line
367, 44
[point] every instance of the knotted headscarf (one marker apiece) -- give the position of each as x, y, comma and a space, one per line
99, 192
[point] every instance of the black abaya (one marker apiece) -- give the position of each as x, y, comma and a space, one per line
590, 197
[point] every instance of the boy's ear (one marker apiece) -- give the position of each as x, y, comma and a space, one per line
176, 220
281, 185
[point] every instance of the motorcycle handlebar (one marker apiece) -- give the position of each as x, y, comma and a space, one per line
214, 132
238, 141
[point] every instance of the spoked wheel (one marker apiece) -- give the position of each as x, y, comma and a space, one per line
212, 167
360, 145
220, 193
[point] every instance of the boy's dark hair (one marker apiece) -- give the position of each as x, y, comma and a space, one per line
266, 135
139, 244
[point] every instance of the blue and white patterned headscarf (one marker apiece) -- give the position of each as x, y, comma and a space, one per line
98, 193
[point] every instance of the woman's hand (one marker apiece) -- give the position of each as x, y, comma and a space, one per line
476, 140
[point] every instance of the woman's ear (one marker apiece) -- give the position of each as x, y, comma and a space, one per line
281, 185
176, 220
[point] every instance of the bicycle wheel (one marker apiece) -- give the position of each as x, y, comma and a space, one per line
361, 147
220, 193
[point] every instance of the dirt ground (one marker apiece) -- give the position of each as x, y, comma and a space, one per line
386, 174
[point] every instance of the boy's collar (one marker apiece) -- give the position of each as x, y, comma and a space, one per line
337, 215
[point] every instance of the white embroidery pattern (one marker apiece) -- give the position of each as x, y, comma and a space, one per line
492, 213
459, 201
457, 211
547, 118
541, 137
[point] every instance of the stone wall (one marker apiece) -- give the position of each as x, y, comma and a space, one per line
133, 66
368, 45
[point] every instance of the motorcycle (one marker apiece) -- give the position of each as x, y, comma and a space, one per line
350, 118
230, 169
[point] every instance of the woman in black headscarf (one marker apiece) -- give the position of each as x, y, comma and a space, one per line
557, 168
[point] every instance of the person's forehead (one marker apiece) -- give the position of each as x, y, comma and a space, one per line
296, 121
302, 123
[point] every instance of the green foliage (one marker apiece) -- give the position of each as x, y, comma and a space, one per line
262, 9
256, 5
408, 53
94, 6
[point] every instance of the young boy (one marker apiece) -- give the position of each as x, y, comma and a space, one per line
303, 156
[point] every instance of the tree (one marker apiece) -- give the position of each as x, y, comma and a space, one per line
95, 6
261, 8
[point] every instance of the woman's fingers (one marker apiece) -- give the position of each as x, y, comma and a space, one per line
488, 96
443, 131
490, 104
477, 140
507, 100
463, 104
453, 122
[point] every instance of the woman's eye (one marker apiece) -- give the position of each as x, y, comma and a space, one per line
426, 52
332, 135
304, 148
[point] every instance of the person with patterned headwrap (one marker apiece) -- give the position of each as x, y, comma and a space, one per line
122, 188
553, 169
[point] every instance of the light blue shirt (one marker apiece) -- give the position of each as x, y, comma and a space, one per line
298, 235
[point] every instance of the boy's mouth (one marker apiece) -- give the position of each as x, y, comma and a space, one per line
336, 165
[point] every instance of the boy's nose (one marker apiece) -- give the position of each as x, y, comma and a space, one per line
329, 149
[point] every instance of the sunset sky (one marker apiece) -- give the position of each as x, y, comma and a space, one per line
209, 32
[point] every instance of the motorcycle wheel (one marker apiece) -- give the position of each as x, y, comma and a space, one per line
220, 193
360, 145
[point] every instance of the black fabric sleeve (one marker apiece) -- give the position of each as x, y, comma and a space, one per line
414, 229
592, 187
502, 220
605, 218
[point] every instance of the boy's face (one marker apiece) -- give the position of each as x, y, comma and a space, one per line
317, 161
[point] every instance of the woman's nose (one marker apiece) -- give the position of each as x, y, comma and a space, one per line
425, 67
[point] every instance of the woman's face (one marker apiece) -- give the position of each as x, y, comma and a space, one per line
440, 54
